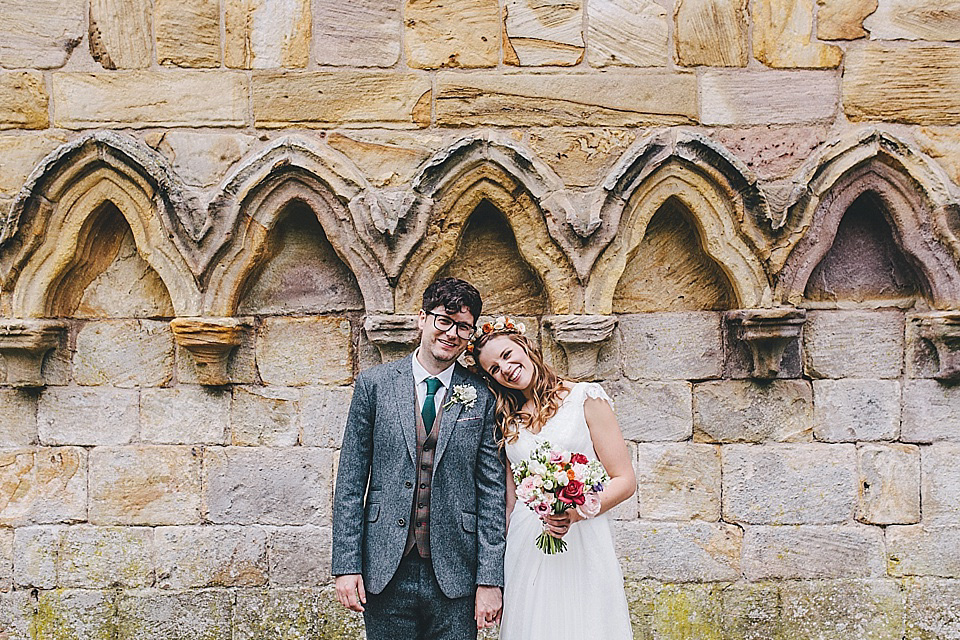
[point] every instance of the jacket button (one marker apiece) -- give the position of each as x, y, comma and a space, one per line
408, 484
401, 522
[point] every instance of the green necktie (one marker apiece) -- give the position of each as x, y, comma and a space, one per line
429, 411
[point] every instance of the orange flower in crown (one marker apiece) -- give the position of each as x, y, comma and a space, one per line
502, 324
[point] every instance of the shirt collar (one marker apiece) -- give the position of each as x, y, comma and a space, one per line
420, 374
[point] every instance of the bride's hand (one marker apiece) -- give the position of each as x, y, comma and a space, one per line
557, 525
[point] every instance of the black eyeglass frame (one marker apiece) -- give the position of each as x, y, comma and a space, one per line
461, 326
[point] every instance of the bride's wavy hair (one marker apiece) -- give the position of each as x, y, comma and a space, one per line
547, 390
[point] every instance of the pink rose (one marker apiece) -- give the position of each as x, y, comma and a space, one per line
591, 505
555, 457
541, 508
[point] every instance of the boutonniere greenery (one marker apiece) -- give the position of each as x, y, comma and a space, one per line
464, 394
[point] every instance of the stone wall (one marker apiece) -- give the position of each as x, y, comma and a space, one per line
742, 216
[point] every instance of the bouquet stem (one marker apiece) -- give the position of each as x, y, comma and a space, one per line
550, 545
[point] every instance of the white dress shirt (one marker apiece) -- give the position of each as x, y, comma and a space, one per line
420, 376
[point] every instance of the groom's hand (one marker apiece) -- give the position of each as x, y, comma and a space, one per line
489, 607
350, 592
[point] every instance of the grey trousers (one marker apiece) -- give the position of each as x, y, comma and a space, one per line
412, 607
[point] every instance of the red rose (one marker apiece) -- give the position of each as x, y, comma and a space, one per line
572, 493
578, 458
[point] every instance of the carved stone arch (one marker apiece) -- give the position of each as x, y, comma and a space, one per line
715, 216
256, 198
47, 236
456, 202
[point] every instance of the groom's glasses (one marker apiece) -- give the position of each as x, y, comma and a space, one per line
443, 323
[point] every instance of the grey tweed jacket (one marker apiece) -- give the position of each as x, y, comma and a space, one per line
376, 476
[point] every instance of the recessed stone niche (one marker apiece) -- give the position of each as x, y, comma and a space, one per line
941, 331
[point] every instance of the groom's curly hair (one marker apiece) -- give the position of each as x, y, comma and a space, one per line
453, 294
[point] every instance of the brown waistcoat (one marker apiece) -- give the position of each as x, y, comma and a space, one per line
418, 535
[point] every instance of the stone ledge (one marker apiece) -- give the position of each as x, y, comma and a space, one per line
23, 344
581, 338
210, 341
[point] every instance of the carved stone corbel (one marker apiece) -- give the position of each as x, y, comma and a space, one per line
767, 333
23, 344
581, 337
210, 341
394, 336
942, 330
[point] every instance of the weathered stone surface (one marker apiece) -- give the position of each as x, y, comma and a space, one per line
21, 152
581, 158
567, 100
41, 34
882, 83
121, 34
210, 556
353, 99
18, 418
43, 486
301, 351
184, 415
933, 609
653, 411
35, 551
6, 559
323, 415
73, 613
241, 363
300, 556
767, 97
102, 557
917, 550
151, 485
627, 32
843, 19
711, 33
782, 36
265, 35
294, 614
745, 411
124, 353
856, 410
772, 152
265, 416
23, 101
186, 615
678, 481
943, 145
804, 552
789, 484
750, 611
889, 484
202, 159
684, 345
687, 552
459, 33
286, 486
543, 33
931, 412
187, 32
688, 611
149, 99
940, 484
105, 416
362, 33
388, 158
842, 609
915, 20
864, 344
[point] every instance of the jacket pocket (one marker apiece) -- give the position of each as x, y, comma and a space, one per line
372, 512
470, 419
469, 521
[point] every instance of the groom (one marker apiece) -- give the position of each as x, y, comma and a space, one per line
418, 511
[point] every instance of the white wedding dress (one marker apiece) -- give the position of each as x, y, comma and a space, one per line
577, 594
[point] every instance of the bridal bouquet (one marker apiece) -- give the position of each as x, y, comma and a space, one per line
551, 481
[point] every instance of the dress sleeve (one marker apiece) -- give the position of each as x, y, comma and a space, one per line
594, 390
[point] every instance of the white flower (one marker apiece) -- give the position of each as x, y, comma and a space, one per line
522, 328
464, 394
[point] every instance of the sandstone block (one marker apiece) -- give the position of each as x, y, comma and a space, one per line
22, 151
302, 351
767, 97
789, 484
120, 34
35, 552
78, 416
43, 486
917, 550
543, 33
627, 32
931, 412
855, 344
679, 552
295, 614
581, 158
684, 345
141, 99
41, 34
932, 609
184, 415
265, 35
889, 484
712, 33
323, 415
516, 100
678, 481
629, 509
300, 556
209, 556
124, 353
856, 410
16, 612
653, 411
701, 607
842, 609
362, 33
782, 36
74, 613
750, 611
940, 484
353, 99
746, 411
881, 83
23, 101
150, 485
18, 418
6, 559
772, 153
187, 32
104, 557
268, 486
813, 552
460, 33
935, 20
186, 615
241, 364
843, 19
265, 416
202, 159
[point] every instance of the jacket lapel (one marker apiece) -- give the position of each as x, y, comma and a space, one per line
406, 395
448, 419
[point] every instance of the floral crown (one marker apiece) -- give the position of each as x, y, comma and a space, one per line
502, 324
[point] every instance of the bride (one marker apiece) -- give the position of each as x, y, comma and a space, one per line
577, 593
